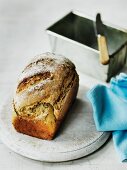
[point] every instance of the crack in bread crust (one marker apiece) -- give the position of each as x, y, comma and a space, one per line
32, 80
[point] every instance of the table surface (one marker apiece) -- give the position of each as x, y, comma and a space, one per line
22, 35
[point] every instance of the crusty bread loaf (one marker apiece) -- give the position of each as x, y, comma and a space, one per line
45, 91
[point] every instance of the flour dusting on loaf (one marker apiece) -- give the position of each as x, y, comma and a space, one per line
47, 62
46, 89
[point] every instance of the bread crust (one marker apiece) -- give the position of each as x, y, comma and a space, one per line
39, 128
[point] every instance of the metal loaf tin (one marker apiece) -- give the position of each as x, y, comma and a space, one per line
74, 36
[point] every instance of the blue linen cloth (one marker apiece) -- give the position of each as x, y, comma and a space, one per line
110, 111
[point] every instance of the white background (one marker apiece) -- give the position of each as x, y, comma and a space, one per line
22, 35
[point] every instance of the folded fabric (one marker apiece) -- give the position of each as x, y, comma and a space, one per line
110, 111
120, 143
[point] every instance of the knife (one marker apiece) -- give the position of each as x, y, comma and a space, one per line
102, 43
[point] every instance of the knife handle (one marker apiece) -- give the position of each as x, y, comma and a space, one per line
102, 45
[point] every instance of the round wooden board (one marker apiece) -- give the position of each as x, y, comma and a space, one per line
76, 138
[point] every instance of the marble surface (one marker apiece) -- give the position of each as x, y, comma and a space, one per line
22, 35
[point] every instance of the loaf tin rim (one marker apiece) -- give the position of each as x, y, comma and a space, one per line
70, 40
76, 12
107, 23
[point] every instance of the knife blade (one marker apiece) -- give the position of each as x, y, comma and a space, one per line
102, 43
